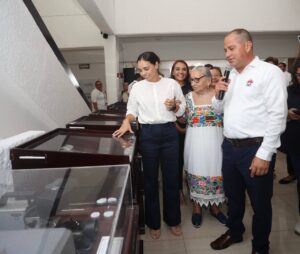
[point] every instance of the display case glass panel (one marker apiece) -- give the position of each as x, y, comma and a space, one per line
93, 203
73, 148
110, 112
68, 147
99, 122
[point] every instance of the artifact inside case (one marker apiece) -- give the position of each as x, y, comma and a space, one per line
94, 204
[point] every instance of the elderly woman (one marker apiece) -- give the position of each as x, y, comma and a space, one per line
202, 151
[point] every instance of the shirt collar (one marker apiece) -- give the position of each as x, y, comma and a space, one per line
254, 63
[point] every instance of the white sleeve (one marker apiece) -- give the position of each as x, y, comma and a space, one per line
179, 96
132, 104
94, 96
218, 105
275, 97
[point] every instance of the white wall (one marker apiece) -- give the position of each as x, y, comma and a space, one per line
112, 67
208, 47
197, 27
69, 24
36, 93
87, 77
102, 12
138, 17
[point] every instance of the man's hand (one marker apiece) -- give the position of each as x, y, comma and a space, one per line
221, 86
259, 167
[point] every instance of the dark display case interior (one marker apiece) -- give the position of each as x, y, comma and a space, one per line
110, 112
92, 204
118, 106
73, 148
68, 147
99, 122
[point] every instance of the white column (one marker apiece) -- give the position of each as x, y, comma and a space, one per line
111, 56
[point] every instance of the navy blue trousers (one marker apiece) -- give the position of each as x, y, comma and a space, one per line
237, 180
159, 147
294, 157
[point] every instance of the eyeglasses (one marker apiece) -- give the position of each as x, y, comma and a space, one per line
297, 74
196, 80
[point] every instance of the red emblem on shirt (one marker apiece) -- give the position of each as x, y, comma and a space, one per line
249, 82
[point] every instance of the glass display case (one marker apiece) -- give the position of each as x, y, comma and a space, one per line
70, 210
110, 112
73, 148
99, 122
118, 106
68, 147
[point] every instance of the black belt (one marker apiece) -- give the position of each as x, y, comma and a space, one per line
157, 124
241, 142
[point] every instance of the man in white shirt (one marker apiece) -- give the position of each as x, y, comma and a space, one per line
98, 97
287, 75
125, 93
255, 112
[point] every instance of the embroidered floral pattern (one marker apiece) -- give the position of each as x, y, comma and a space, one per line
201, 116
205, 185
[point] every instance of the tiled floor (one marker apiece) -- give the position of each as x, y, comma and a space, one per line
196, 241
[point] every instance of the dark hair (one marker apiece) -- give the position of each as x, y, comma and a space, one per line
272, 59
137, 76
98, 81
242, 33
217, 68
295, 84
149, 56
208, 66
284, 64
187, 78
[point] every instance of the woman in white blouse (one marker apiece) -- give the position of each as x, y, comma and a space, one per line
156, 101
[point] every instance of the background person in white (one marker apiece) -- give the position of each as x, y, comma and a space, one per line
98, 97
287, 75
255, 112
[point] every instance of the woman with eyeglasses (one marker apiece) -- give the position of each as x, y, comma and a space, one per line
291, 136
202, 151
180, 72
154, 102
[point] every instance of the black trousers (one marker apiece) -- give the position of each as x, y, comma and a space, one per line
181, 137
159, 146
294, 157
290, 168
237, 180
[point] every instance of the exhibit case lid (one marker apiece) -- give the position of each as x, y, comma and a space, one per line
92, 204
110, 113
69, 147
99, 122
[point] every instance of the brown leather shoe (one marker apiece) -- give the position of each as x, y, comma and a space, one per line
224, 241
